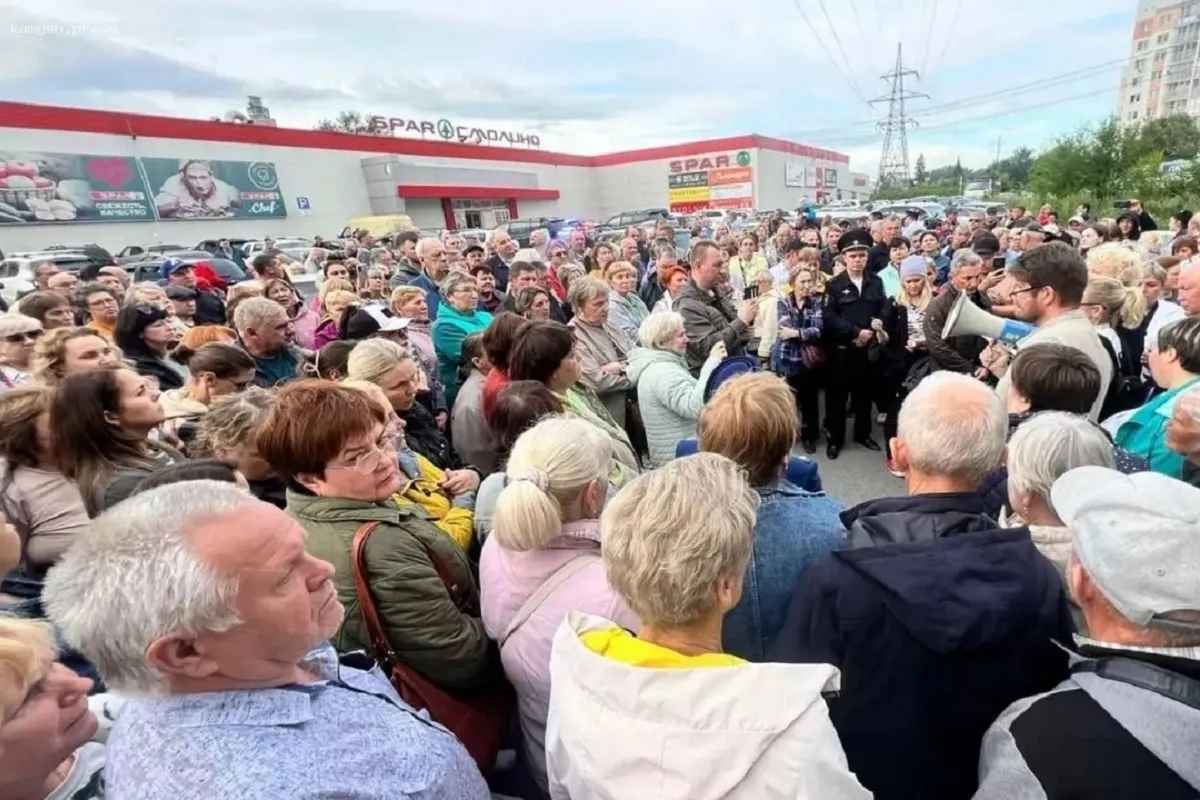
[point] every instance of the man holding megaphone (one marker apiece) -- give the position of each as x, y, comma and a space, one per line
1047, 292
950, 348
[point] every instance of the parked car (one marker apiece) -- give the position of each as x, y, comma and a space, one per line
94, 252
294, 248
210, 245
133, 253
627, 218
16, 271
147, 270
519, 229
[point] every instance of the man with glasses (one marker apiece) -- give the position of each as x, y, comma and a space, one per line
434, 266
1048, 284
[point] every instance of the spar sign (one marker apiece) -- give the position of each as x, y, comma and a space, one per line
452, 132
711, 180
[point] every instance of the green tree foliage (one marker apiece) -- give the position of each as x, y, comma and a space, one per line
349, 122
1176, 136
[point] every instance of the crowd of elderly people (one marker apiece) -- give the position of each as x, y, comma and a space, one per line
463, 551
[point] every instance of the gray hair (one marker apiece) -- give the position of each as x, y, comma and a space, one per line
1153, 271
134, 578
665, 544
658, 328
965, 257
541, 231
583, 288
529, 255
1049, 444
665, 250
255, 312
453, 282
953, 426
13, 323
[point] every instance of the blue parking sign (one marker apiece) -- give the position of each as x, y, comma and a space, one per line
303, 204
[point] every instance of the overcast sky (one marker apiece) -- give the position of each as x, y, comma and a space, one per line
589, 77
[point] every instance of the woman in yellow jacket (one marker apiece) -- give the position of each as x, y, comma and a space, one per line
450, 507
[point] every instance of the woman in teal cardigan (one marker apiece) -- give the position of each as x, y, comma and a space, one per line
457, 318
1175, 366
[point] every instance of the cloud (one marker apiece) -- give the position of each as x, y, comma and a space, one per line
588, 79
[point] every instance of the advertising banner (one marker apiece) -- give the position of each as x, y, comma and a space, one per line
712, 180
45, 188
197, 188
793, 174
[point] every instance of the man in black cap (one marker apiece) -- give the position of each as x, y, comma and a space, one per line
855, 302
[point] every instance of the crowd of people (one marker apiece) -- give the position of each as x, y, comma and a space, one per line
480, 521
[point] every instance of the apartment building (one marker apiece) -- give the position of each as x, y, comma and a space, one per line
1162, 76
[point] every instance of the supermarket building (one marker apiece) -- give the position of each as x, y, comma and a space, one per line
73, 175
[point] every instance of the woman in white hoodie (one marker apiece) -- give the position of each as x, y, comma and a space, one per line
665, 713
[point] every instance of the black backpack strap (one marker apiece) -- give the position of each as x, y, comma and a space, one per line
1144, 675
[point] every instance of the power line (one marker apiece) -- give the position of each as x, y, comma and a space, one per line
836, 39
893, 162
946, 42
862, 31
929, 37
852, 84
965, 102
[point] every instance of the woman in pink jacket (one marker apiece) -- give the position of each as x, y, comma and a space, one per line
542, 561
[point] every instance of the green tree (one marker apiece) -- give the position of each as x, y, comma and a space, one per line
1176, 136
349, 122
919, 173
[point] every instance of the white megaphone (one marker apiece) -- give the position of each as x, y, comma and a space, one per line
968, 319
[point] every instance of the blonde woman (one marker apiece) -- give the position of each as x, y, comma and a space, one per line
543, 561
1116, 312
18, 335
1114, 261
746, 264
334, 303
45, 723
631, 714
239, 292
626, 310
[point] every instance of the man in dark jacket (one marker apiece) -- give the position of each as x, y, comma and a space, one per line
1127, 722
503, 250
958, 353
708, 316
855, 306
881, 251
210, 307
938, 619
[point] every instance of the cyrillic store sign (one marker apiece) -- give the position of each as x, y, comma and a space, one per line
447, 130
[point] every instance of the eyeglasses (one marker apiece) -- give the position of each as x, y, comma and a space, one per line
27, 336
1016, 292
385, 447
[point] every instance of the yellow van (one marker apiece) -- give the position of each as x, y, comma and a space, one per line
380, 226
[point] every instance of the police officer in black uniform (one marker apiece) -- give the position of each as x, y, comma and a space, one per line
855, 306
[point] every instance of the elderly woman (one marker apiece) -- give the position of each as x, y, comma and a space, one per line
303, 318
227, 433
1044, 448
102, 422
65, 351
766, 319
798, 353
625, 309
239, 292
144, 335
546, 352
42, 505
669, 397
630, 714
752, 420
1114, 261
543, 561
216, 370
532, 303
332, 445
411, 303
457, 318
45, 724
1174, 366
598, 262
333, 300
676, 282
1159, 310
248, 593
602, 347
52, 310
375, 289
18, 335
391, 366
469, 433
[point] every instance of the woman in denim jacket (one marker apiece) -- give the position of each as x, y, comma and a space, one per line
797, 354
752, 420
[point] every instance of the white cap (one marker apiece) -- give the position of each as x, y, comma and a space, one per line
1138, 538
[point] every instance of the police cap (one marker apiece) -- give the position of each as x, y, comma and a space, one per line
856, 239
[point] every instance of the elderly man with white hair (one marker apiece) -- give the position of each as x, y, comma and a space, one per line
201, 605
937, 617
504, 250
1126, 723
1188, 295
268, 335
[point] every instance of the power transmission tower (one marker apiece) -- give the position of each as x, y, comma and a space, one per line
893, 163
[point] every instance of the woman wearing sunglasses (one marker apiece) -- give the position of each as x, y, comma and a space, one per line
17, 335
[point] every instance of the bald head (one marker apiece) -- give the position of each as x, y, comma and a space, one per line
951, 427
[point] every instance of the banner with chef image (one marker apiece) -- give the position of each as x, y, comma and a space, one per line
201, 188
46, 188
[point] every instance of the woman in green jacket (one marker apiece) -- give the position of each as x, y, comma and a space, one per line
457, 318
333, 447
1175, 366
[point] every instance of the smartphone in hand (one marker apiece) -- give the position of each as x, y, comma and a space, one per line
750, 292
